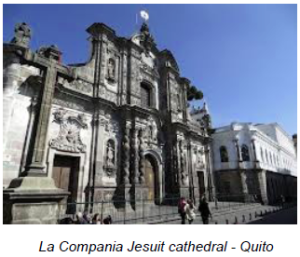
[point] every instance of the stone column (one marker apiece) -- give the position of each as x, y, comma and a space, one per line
141, 177
100, 151
242, 172
137, 156
254, 151
123, 77
32, 113
184, 187
126, 156
209, 170
190, 171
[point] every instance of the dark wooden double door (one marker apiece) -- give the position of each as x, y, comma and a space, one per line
201, 184
65, 175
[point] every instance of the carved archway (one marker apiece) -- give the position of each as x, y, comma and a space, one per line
153, 176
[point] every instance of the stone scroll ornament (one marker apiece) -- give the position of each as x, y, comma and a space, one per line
68, 138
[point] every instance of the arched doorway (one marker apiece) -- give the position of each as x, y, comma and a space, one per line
151, 178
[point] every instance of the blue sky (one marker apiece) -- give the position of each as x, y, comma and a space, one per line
243, 57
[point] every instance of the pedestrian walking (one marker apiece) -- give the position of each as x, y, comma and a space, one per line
190, 211
204, 210
107, 220
181, 209
96, 219
79, 219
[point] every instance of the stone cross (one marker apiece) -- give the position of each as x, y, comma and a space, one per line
47, 60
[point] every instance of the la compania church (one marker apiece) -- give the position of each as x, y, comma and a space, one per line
116, 128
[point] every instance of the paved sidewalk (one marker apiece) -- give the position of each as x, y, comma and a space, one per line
235, 214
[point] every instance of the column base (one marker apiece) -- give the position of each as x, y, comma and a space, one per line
32, 200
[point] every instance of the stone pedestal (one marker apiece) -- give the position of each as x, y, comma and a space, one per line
32, 200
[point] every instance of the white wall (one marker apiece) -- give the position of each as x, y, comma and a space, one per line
270, 139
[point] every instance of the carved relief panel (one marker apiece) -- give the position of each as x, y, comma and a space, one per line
70, 126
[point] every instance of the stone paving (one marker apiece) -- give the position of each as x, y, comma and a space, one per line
234, 214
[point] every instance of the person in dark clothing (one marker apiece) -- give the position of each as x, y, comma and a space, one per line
204, 210
181, 209
107, 220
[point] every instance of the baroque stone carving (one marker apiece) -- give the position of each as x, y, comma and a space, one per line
68, 138
79, 86
183, 163
141, 153
111, 70
200, 163
110, 158
126, 156
110, 126
151, 131
22, 35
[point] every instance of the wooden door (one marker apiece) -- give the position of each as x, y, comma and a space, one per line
150, 180
201, 184
65, 175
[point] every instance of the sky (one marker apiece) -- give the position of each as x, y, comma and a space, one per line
243, 57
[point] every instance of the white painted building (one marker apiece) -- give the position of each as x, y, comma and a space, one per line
257, 160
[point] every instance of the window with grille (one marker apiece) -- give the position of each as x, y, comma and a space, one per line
224, 154
245, 153
145, 96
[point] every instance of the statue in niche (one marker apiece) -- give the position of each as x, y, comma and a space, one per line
110, 154
111, 69
110, 158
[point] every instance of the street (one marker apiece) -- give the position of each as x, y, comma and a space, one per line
287, 216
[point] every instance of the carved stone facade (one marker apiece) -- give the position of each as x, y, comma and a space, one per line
122, 117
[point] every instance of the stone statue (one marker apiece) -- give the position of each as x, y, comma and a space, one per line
111, 69
22, 35
110, 155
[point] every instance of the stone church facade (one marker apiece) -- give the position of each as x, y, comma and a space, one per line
116, 128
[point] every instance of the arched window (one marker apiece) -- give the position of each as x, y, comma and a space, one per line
245, 153
145, 95
262, 154
224, 154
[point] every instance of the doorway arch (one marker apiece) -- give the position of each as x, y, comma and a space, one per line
153, 177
